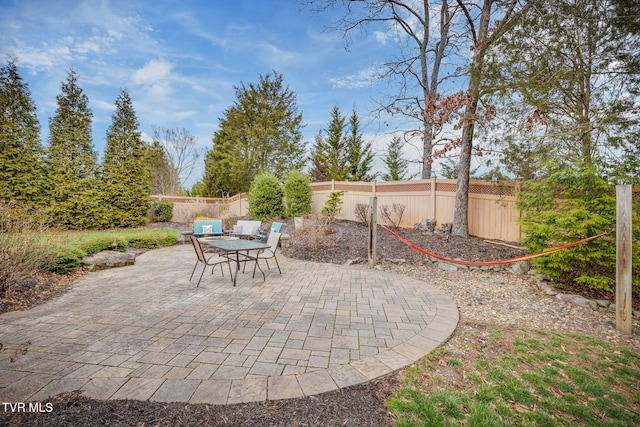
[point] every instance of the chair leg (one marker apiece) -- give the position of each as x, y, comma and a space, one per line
201, 274
254, 268
193, 271
277, 263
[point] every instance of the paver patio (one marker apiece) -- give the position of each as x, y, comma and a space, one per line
145, 332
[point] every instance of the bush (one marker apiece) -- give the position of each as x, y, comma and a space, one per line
103, 243
363, 213
265, 197
23, 249
73, 247
568, 205
162, 211
332, 206
297, 194
150, 240
64, 261
393, 214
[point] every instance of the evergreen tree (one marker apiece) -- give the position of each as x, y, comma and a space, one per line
336, 160
329, 156
21, 176
261, 132
395, 164
319, 153
125, 177
358, 153
72, 163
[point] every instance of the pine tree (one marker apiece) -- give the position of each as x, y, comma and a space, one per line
358, 153
72, 163
125, 178
261, 132
21, 172
329, 156
395, 164
318, 158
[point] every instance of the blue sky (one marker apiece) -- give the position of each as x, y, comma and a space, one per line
180, 61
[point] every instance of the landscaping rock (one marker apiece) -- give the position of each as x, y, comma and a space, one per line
447, 267
578, 300
395, 260
108, 259
426, 225
519, 268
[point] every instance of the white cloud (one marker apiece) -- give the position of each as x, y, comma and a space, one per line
155, 78
381, 37
278, 58
363, 78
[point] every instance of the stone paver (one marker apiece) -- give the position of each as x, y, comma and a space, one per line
145, 332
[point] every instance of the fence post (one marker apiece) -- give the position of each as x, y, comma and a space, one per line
373, 226
623, 258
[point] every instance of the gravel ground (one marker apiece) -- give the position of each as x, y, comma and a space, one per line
486, 300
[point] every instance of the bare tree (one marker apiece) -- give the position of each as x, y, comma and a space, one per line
421, 56
181, 152
479, 16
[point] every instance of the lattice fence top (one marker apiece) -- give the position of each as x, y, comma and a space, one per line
390, 188
448, 187
495, 190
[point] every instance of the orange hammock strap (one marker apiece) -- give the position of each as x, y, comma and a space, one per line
499, 262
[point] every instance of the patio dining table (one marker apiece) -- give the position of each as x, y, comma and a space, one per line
239, 251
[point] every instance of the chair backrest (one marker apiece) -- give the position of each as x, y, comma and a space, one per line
273, 240
198, 248
276, 227
249, 228
213, 227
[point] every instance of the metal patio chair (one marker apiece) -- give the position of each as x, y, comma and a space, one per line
213, 260
267, 254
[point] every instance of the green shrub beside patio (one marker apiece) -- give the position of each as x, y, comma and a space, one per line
70, 247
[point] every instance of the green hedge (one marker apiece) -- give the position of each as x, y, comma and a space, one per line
71, 248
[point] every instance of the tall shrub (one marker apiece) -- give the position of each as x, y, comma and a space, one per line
125, 179
23, 250
265, 197
570, 204
72, 162
297, 194
333, 205
21, 175
162, 211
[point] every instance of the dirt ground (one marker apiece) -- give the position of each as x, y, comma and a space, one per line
362, 405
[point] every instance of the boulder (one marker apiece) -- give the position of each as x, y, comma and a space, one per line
108, 259
519, 268
426, 225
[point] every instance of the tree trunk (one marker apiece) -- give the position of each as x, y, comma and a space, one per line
461, 208
427, 148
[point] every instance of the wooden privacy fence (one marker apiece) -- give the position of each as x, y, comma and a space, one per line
492, 211
186, 209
